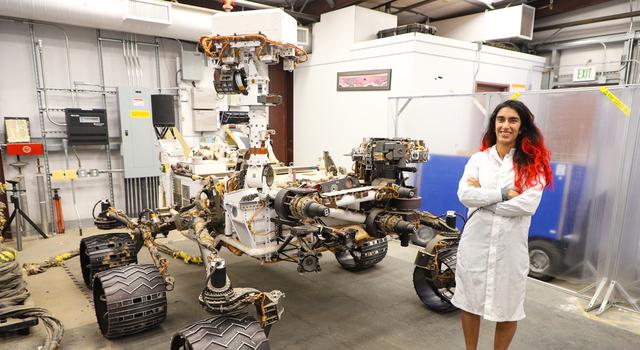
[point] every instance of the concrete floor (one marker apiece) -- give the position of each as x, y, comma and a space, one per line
333, 309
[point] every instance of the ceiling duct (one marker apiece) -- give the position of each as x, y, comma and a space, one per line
511, 23
146, 17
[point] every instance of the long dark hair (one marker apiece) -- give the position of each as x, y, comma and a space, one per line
531, 159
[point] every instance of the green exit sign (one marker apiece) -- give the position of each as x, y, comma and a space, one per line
586, 73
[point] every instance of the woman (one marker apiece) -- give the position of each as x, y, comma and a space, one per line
502, 186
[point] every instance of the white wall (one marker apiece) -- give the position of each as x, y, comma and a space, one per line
18, 99
326, 119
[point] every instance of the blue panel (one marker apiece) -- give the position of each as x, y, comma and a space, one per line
438, 188
438, 184
544, 224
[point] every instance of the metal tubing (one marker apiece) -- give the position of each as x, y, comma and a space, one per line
43, 130
24, 205
542, 92
65, 146
134, 189
138, 65
138, 197
126, 62
42, 202
147, 188
19, 226
349, 199
44, 86
346, 215
68, 52
104, 104
122, 40
130, 196
127, 202
562, 45
157, 52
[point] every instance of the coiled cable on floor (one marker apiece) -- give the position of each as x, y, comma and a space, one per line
14, 292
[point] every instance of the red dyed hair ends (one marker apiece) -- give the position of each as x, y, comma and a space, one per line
531, 159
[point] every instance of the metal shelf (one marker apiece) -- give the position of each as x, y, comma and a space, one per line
111, 92
51, 109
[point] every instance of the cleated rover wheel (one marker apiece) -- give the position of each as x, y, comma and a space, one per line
106, 251
363, 256
129, 299
434, 295
234, 331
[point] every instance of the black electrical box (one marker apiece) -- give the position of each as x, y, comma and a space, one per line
163, 110
235, 117
87, 126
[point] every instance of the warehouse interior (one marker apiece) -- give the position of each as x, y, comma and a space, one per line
284, 174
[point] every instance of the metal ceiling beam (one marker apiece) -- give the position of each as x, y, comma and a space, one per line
544, 10
384, 4
411, 7
387, 5
478, 3
411, 11
588, 21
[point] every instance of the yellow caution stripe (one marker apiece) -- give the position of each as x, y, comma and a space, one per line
515, 96
626, 110
138, 113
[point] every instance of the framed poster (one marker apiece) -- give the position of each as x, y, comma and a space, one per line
17, 130
379, 79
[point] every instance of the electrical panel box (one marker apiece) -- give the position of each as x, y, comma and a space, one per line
204, 98
139, 148
86, 126
205, 120
192, 65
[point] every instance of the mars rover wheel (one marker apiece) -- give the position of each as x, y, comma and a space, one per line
434, 297
235, 331
106, 251
129, 299
363, 256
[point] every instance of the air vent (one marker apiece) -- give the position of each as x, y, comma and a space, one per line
528, 14
149, 11
303, 36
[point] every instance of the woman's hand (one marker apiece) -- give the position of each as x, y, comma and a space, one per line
473, 182
513, 194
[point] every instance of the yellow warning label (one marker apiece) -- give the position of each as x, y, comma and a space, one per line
71, 174
57, 175
515, 96
138, 113
64, 174
623, 107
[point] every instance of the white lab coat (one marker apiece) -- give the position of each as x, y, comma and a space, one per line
493, 255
